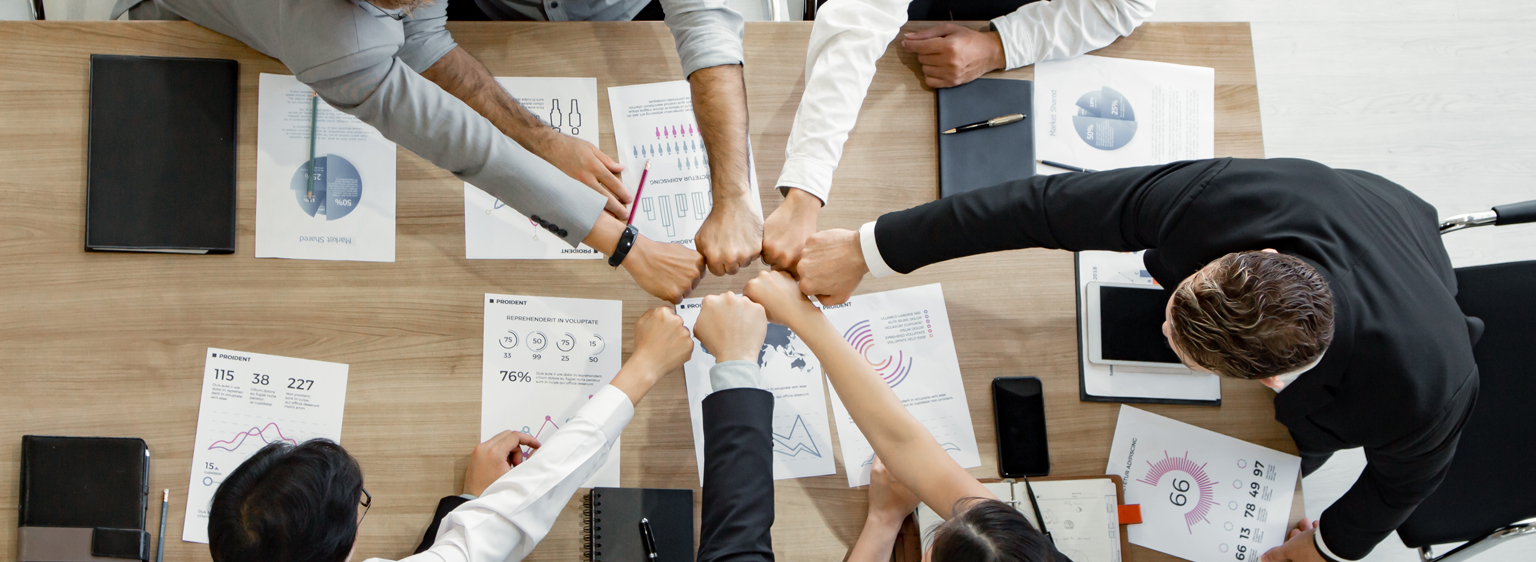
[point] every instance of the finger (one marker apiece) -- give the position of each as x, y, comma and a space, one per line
926, 46
527, 440
716, 266
614, 185
613, 167
613, 207
929, 33
941, 60
936, 81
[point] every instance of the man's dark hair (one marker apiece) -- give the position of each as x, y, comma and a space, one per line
287, 504
988, 530
1252, 315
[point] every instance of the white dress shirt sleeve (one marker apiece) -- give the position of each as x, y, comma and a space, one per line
426, 36
1060, 29
517, 511
872, 258
846, 40
708, 33
1317, 539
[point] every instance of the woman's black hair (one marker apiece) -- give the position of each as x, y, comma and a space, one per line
287, 504
988, 530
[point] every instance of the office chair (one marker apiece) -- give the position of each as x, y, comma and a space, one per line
1489, 493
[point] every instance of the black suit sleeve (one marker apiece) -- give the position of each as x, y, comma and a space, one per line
1119, 210
738, 477
444, 506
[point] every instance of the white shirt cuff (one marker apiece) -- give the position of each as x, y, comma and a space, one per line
610, 409
1013, 30
808, 175
743, 373
872, 258
1317, 539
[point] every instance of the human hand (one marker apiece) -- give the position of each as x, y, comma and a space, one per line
667, 271
832, 266
1298, 547
731, 237
588, 165
662, 343
787, 228
494, 458
952, 55
731, 327
890, 501
781, 298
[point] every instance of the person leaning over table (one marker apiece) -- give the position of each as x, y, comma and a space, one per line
850, 35
305, 503
393, 65
738, 416
1330, 286
909, 464
708, 35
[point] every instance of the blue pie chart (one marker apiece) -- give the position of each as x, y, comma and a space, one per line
335, 189
1104, 119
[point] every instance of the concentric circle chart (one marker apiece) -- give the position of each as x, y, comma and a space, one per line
1104, 119
332, 188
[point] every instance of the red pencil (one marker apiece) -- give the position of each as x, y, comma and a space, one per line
640, 188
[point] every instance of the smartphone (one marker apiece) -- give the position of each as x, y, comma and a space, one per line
1018, 408
1125, 325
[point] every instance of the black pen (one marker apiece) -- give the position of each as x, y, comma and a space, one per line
647, 539
1066, 167
1035, 503
993, 122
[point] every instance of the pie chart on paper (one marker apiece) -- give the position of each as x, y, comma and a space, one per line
1104, 119
335, 192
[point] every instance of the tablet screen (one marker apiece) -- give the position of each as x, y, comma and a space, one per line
1131, 324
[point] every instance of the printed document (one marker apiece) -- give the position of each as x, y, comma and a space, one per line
1103, 113
1204, 497
250, 400
655, 123
905, 336
1127, 381
1082, 516
544, 358
492, 230
802, 434
341, 205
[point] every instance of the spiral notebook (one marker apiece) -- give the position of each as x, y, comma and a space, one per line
612, 529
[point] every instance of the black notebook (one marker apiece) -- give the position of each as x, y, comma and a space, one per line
83, 497
985, 157
612, 530
160, 174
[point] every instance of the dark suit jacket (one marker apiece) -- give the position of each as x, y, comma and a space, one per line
1399, 377
738, 477
444, 506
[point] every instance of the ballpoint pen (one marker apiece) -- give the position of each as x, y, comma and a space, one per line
647, 539
1034, 503
643, 173
1067, 167
993, 122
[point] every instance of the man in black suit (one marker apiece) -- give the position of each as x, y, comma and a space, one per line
1331, 286
738, 446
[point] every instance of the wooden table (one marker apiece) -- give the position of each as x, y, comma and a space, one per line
113, 344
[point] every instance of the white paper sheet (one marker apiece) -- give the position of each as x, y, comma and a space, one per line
1103, 113
1204, 496
250, 400
492, 230
1082, 515
655, 123
1122, 381
348, 211
905, 336
544, 358
802, 434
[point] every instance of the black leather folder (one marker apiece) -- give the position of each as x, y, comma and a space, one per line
985, 157
160, 173
83, 499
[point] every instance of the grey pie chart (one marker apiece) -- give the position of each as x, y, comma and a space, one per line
331, 189
1104, 119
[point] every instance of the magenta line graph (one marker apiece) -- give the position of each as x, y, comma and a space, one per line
239, 438
1206, 486
893, 370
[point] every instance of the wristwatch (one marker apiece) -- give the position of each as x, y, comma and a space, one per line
626, 242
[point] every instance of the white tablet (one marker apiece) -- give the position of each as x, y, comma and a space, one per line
1125, 325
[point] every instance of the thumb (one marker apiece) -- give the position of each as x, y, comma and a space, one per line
929, 33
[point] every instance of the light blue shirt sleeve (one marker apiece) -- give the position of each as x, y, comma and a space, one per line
426, 37
735, 374
708, 33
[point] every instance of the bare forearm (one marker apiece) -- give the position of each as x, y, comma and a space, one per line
462, 75
720, 104
875, 541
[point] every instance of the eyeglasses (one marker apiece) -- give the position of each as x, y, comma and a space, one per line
365, 502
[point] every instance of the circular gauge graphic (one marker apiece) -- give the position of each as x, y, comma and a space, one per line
508, 341
1104, 119
595, 345
566, 343
1187, 485
537, 341
332, 187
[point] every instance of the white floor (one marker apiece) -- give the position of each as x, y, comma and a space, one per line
1435, 95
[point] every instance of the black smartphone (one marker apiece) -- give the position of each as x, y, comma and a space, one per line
1018, 408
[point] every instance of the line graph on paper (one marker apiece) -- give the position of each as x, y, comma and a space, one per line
261, 433
797, 440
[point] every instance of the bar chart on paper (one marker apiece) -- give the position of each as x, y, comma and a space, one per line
249, 401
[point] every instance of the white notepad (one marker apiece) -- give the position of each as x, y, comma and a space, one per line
1083, 516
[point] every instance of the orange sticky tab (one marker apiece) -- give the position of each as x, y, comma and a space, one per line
1130, 514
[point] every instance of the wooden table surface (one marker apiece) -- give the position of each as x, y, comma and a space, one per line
114, 344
